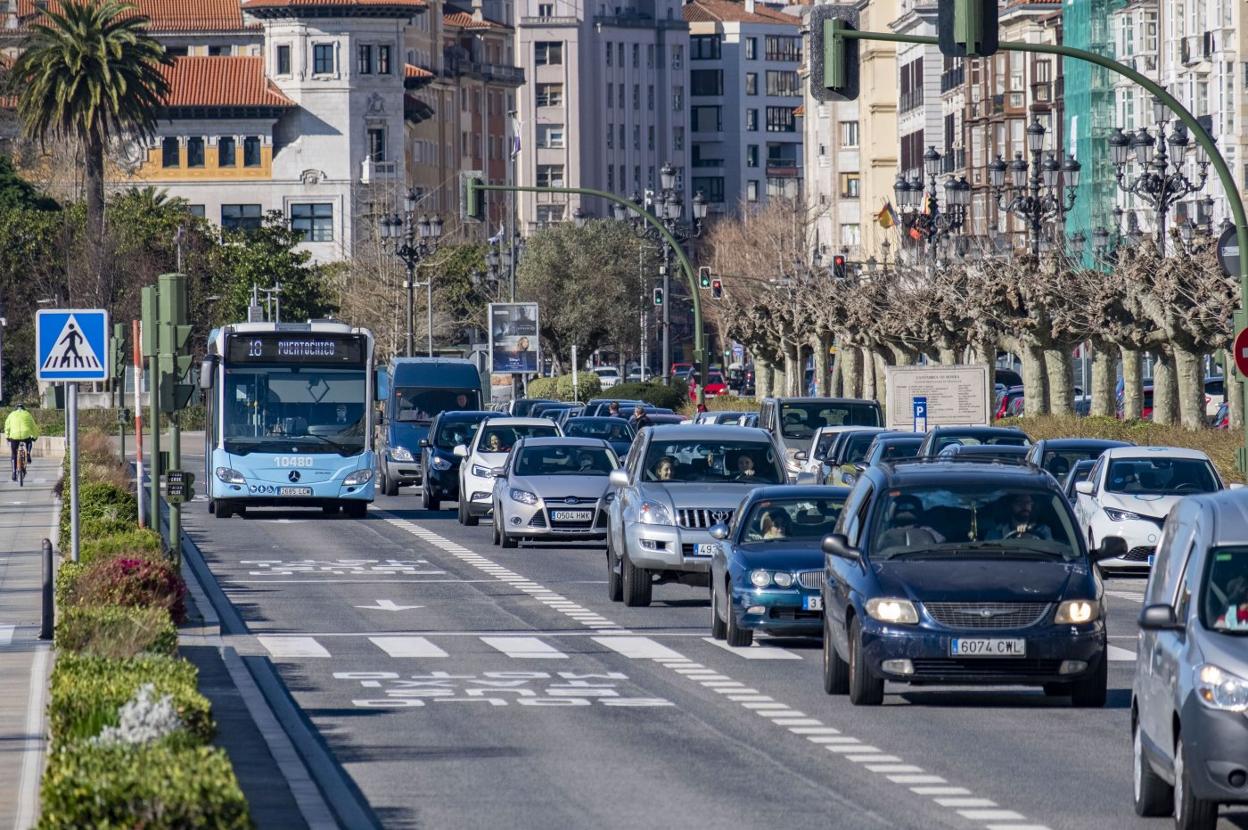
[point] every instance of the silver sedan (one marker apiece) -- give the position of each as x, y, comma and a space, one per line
553, 489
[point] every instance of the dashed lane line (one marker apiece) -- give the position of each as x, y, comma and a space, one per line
845, 747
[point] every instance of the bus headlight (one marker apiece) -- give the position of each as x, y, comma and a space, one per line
401, 454
230, 476
361, 476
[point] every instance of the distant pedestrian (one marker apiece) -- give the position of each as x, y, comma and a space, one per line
613, 409
639, 419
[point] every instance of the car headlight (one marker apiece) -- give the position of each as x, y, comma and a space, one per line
523, 496
230, 476
892, 610
654, 513
760, 578
361, 476
1121, 515
401, 454
482, 472
782, 578
1077, 611
1219, 689
440, 464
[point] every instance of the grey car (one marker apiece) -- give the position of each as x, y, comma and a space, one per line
679, 481
1189, 732
794, 421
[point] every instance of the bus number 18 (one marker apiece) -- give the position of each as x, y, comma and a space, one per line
256, 349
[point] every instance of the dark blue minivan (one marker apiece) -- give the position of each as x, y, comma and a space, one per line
413, 390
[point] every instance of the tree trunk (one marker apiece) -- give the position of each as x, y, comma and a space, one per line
1165, 390
1234, 392
819, 351
791, 370
1035, 392
984, 351
868, 373
762, 377
837, 375
1190, 380
1057, 364
93, 151
881, 377
948, 356
851, 372
1132, 385
1103, 380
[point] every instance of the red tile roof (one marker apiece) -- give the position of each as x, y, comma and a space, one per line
729, 11
255, 5
169, 15
460, 19
799, 110
410, 71
228, 81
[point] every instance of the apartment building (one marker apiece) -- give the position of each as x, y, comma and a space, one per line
744, 98
606, 104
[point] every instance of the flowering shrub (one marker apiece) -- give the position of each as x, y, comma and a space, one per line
134, 581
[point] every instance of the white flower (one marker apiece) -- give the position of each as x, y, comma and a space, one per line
144, 718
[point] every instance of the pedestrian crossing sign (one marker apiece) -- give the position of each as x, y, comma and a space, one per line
71, 344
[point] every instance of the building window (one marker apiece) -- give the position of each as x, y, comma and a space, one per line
619, 53
712, 187
751, 53
551, 135
783, 84
678, 138
851, 235
751, 120
636, 96
170, 152
608, 45
704, 47
650, 137
849, 133
751, 188
610, 94
751, 83
323, 59
195, 152
650, 97
227, 155
678, 98
678, 56
383, 60
636, 56
637, 177
849, 185
751, 155
240, 217
549, 214
706, 82
196, 210
650, 56
610, 177
781, 120
550, 175
706, 119
365, 64
784, 48
220, 51
377, 143
314, 221
548, 53
550, 95
251, 151
636, 137
283, 60
548, 10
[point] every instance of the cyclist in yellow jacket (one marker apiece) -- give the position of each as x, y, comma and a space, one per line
20, 428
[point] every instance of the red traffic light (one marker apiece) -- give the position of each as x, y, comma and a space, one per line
717, 289
838, 266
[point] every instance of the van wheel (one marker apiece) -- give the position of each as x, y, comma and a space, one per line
835, 670
389, 486
865, 689
637, 586
1090, 692
1153, 796
1190, 812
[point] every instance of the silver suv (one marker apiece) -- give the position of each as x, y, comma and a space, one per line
1190, 695
678, 482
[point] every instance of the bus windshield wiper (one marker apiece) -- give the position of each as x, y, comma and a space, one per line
341, 448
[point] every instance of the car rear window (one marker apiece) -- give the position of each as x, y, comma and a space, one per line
564, 461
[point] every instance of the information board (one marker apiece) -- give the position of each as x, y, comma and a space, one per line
312, 349
950, 396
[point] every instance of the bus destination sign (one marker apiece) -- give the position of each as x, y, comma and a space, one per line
290, 348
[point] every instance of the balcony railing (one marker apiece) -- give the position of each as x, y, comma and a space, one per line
565, 20
500, 73
707, 163
953, 78
910, 99
371, 171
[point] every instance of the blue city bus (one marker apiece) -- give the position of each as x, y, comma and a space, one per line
290, 417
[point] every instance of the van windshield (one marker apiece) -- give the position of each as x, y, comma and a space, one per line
1224, 596
415, 404
800, 420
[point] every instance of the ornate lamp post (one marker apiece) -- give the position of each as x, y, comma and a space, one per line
1160, 183
412, 240
920, 206
1038, 192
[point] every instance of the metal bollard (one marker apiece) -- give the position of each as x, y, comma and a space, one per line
45, 627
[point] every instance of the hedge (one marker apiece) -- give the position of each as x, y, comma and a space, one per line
114, 630
52, 421
135, 582
156, 786
131, 542
103, 509
654, 393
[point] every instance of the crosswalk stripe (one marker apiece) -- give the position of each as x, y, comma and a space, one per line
407, 646
637, 648
524, 648
283, 646
756, 651
6, 634
1120, 655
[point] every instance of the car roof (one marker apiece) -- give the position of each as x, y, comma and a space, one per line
797, 491
521, 422
817, 399
987, 449
918, 471
1153, 452
708, 432
612, 418
1081, 443
1229, 509
899, 438
972, 431
465, 414
562, 441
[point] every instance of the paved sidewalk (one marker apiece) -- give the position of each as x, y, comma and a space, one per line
27, 516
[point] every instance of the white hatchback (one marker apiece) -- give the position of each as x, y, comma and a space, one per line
486, 454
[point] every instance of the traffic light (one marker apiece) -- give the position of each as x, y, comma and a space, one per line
658, 296
717, 289
704, 276
472, 202
117, 352
173, 342
838, 266
967, 28
834, 59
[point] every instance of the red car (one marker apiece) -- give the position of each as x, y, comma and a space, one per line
715, 386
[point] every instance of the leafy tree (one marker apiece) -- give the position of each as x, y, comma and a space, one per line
16, 192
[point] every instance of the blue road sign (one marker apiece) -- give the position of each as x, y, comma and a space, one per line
71, 344
920, 413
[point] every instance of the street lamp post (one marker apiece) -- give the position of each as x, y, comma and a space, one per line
1047, 193
1161, 182
924, 214
667, 205
412, 240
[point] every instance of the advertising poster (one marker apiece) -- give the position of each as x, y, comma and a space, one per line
514, 342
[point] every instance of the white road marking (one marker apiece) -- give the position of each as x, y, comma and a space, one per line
991, 815
963, 801
1127, 596
388, 605
407, 647
940, 791
6, 634
756, 651
636, 648
524, 647
815, 730
1120, 655
283, 646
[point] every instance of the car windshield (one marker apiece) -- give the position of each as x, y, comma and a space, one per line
419, 405
522, 407
892, 450
824, 445
501, 438
777, 520
608, 429
1061, 462
750, 462
564, 461
1161, 476
854, 447
982, 439
974, 521
303, 409
453, 433
1224, 594
800, 420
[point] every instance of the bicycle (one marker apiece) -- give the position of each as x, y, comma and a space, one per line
22, 461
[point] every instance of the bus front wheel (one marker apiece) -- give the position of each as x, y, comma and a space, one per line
223, 511
355, 509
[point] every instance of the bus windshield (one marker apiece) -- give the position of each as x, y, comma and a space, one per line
294, 409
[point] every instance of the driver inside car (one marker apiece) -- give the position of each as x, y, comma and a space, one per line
1019, 523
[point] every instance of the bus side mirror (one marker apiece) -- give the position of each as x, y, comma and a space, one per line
207, 370
381, 384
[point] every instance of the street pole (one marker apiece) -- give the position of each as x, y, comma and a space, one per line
1035, 219
71, 405
667, 317
137, 356
410, 285
429, 307
175, 508
153, 391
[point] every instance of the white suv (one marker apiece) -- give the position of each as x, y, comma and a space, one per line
608, 375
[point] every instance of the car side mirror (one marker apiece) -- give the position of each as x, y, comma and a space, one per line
860, 466
1160, 618
719, 532
618, 478
424, 442
837, 544
1112, 547
1084, 488
498, 472
800, 455
460, 450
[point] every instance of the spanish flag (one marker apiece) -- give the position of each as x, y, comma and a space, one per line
887, 217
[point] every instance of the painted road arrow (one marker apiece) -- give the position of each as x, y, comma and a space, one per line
388, 605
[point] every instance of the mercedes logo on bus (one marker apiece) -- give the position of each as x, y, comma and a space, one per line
293, 475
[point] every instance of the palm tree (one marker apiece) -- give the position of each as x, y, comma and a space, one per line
89, 71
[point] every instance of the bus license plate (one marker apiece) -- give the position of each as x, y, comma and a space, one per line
985, 647
294, 491
572, 515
